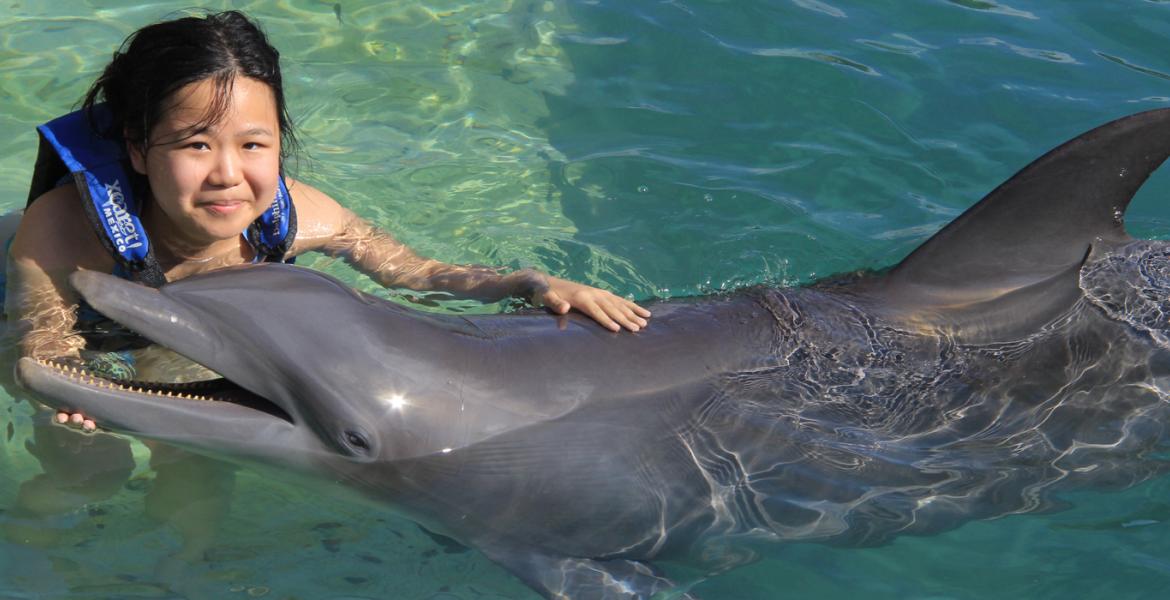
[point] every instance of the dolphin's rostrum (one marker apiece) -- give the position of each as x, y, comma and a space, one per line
1021, 351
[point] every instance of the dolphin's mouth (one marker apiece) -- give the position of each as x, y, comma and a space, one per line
217, 390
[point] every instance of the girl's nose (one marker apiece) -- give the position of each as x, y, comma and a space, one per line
226, 172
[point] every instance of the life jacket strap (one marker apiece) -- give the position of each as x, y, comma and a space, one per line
272, 234
97, 165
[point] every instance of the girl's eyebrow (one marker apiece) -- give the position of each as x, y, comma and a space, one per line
264, 131
252, 131
255, 131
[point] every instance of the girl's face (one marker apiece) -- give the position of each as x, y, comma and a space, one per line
211, 185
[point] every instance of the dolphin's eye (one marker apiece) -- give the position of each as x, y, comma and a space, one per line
357, 441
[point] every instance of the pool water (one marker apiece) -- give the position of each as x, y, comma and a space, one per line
655, 148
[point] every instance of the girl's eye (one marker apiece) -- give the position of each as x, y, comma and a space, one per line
198, 146
252, 146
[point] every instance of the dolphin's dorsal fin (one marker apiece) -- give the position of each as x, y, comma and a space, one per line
1039, 224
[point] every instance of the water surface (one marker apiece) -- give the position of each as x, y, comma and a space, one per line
655, 148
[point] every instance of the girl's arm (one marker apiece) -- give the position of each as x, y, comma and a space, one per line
326, 226
54, 239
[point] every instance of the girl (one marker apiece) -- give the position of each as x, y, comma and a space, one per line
175, 162
176, 151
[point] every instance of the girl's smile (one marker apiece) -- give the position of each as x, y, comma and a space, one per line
222, 207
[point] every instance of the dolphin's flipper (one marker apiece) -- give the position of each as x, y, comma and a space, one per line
1039, 224
565, 578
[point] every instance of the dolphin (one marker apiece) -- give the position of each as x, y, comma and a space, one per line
1022, 351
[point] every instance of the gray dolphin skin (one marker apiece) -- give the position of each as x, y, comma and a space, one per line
1022, 351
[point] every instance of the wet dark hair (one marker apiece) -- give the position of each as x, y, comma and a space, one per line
159, 59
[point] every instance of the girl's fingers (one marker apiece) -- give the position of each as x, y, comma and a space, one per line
78, 419
633, 315
628, 320
554, 302
632, 312
618, 312
595, 310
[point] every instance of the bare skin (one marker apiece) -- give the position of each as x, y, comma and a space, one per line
206, 188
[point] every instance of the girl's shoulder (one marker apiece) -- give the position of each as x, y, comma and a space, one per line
320, 218
311, 201
55, 233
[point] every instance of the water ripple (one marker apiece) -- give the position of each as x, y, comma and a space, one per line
1129, 65
821, 7
914, 48
592, 40
993, 7
815, 55
1037, 53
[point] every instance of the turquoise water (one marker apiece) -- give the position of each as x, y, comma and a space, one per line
654, 148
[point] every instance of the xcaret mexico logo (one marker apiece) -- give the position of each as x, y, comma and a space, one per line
277, 213
118, 220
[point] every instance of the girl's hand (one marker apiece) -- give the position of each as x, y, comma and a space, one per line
611, 311
116, 366
77, 420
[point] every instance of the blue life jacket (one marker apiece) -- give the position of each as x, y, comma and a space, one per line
71, 146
